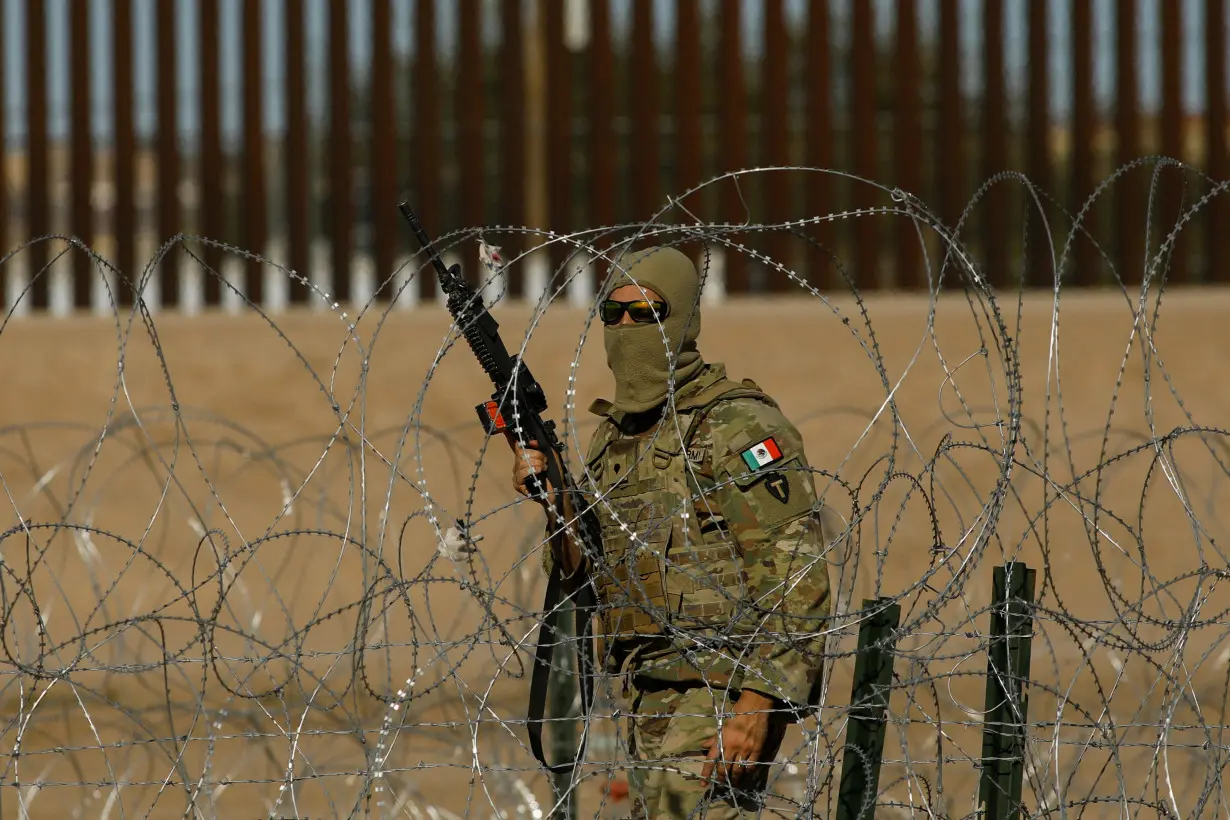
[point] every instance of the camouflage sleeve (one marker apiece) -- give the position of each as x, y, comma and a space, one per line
548, 555
766, 494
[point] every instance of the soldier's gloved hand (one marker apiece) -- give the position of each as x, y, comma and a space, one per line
527, 461
742, 741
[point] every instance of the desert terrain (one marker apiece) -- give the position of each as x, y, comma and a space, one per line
221, 564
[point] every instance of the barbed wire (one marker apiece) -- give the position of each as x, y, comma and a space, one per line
270, 568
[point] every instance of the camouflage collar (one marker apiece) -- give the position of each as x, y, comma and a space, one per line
710, 375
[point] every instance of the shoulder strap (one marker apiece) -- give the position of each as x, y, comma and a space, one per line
697, 407
585, 605
700, 405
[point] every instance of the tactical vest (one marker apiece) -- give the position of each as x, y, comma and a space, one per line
669, 562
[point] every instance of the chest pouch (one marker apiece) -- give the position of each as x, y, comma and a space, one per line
661, 570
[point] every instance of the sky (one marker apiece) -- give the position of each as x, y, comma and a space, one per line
13, 52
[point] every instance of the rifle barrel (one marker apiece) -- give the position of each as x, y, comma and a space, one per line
424, 240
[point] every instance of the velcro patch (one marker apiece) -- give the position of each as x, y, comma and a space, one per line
762, 454
780, 495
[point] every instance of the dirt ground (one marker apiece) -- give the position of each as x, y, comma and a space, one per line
220, 555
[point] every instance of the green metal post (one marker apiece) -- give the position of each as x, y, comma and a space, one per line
561, 707
1007, 703
873, 677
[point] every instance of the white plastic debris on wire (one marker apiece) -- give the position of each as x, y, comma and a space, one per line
457, 543
494, 284
489, 255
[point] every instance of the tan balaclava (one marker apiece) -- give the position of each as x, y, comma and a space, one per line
638, 355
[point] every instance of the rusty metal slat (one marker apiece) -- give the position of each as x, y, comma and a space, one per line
819, 136
1038, 266
82, 172
907, 149
298, 193
602, 149
168, 218
775, 133
732, 138
1171, 183
1218, 160
1129, 213
559, 120
4, 181
950, 174
864, 139
512, 135
646, 165
341, 210
211, 171
254, 179
124, 226
383, 149
689, 135
1172, 80
38, 205
995, 150
426, 165
470, 115
1086, 257
688, 94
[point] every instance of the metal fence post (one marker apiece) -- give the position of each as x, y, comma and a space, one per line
1007, 703
873, 675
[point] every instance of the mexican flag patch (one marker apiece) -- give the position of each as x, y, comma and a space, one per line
761, 454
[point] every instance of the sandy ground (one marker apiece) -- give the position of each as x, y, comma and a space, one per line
220, 554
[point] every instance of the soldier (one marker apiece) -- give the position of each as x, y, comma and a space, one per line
713, 586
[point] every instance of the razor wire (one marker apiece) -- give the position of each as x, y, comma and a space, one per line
203, 621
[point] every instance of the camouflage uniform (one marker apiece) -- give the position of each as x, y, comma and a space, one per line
713, 580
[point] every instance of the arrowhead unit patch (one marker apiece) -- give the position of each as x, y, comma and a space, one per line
778, 487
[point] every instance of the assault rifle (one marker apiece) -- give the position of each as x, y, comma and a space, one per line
519, 397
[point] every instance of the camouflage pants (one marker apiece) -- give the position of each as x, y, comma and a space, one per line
666, 729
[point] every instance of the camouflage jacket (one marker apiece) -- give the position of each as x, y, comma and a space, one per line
713, 568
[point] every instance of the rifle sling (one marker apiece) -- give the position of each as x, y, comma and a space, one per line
584, 602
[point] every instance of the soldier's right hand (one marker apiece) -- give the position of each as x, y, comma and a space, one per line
527, 461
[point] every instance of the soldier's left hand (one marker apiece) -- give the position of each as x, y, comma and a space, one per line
742, 741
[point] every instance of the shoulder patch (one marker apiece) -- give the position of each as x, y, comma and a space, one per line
762, 454
778, 486
779, 495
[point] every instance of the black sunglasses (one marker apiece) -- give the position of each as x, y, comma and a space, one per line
641, 310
